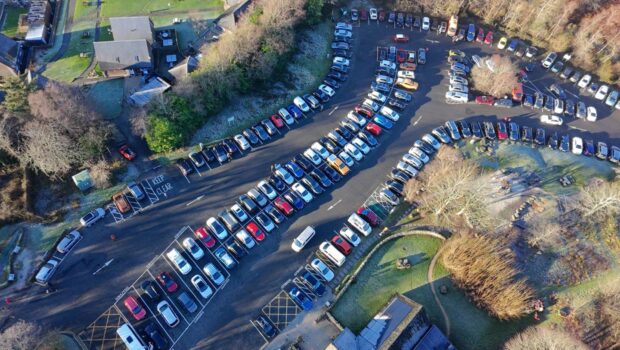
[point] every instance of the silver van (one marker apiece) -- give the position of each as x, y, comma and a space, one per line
304, 237
68, 242
46, 272
130, 337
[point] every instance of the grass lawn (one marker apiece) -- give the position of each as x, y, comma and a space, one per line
12, 18
71, 65
115, 8
107, 97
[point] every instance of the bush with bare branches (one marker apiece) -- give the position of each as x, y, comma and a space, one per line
497, 82
484, 269
21, 335
543, 338
101, 174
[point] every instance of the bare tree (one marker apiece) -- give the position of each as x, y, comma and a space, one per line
543, 338
21, 335
101, 174
499, 81
413, 189
544, 232
599, 199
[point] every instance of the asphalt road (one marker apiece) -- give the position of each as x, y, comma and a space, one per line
81, 297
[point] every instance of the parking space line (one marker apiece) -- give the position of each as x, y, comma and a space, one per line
133, 203
196, 168
259, 332
116, 215
152, 313
150, 193
172, 303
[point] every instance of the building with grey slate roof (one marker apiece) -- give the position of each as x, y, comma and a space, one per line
13, 57
132, 28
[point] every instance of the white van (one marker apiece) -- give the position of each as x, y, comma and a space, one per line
304, 237
456, 97
46, 272
129, 336
332, 253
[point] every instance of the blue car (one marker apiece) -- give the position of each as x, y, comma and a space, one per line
383, 121
317, 286
295, 200
300, 298
471, 32
513, 45
294, 169
294, 111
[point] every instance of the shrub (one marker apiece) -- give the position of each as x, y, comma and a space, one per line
163, 134
542, 338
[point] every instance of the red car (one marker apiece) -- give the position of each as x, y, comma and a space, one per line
126, 152
343, 246
401, 56
366, 112
134, 307
400, 38
277, 121
368, 215
167, 282
363, 15
373, 128
502, 131
485, 100
480, 36
284, 206
205, 237
255, 231
381, 15
489, 38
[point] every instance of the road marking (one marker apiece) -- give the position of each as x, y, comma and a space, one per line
568, 92
195, 200
417, 121
333, 110
432, 41
107, 263
577, 128
334, 205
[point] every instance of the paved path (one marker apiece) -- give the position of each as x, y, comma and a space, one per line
429, 277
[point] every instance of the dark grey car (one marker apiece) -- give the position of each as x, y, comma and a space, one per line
188, 303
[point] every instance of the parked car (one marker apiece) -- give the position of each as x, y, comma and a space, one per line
92, 217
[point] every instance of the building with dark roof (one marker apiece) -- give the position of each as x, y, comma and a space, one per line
39, 19
231, 17
132, 28
13, 57
402, 324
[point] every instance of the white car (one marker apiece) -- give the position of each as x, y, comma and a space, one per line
421, 155
384, 79
371, 104
456, 97
361, 145
350, 236
217, 228
322, 269
577, 145
426, 23
346, 158
377, 96
345, 26
551, 119
591, 114
214, 274
341, 60
459, 80
458, 88
359, 224
244, 237
92, 217
239, 213
327, 90
389, 113
193, 248
373, 14
202, 287
584, 81
288, 118
431, 140
343, 32
242, 142
353, 152
302, 192
477, 60
222, 255
284, 174
166, 312
387, 64
558, 106
406, 74
312, 156
320, 150
179, 261
356, 118
602, 92
403, 166
267, 190
301, 104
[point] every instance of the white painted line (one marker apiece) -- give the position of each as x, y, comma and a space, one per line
153, 313
334, 205
333, 110
568, 92
577, 128
194, 201
417, 121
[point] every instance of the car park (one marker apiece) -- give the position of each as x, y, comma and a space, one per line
92, 217
166, 312
193, 248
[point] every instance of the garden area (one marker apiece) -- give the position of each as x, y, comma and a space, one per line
11, 20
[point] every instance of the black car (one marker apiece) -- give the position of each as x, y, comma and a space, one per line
337, 138
322, 96
380, 87
295, 200
352, 127
208, 154
565, 143
303, 162
262, 134
527, 134
391, 17
251, 136
184, 166
503, 102
366, 137
248, 204
320, 176
385, 71
409, 20
332, 83
339, 45
425, 147
489, 131
331, 146
277, 183
602, 151
332, 174
230, 146
343, 39
342, 53
294, 169
553, 141
155, 336
264, 220
337, 76
341, 68
557, 66
476, 129
588, 148
235, 249
465, 129
400, 19
220, 153
540, 137
275, 214
312, 185
513, 131
314, 283
399, 176
397, 187
344, 132
540, 101
549, 103
417, 22
569, 108
528, 100
557, 91
395, 103
149, 289
265, 326
566, 73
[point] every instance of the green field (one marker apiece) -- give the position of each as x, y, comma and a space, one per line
12, 18
115, 8
107, 96
71, 65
